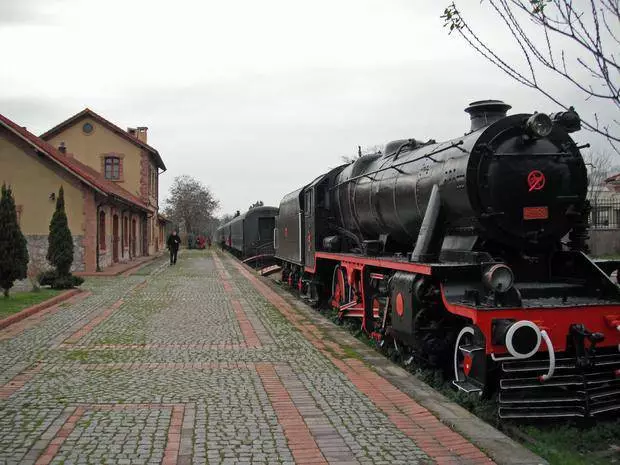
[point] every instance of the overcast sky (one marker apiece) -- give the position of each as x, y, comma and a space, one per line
253, 98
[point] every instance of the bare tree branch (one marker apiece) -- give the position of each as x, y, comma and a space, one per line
191, 205
596, 73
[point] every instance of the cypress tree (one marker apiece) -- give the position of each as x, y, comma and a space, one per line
60, 242
13, 246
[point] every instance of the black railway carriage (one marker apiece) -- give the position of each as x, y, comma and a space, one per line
222, 235
455, 253
251, 233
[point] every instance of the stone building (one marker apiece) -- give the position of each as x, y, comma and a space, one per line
110, 181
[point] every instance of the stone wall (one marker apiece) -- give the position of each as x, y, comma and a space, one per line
37, 251
604, 242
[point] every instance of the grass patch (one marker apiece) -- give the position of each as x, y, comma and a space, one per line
79, 355
573, 444
350, 353
18, 301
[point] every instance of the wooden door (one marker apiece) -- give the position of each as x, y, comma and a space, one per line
133, 238
115, 238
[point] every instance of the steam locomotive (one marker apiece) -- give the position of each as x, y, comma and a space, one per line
471, 255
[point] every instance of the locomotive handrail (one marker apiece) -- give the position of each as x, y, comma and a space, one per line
547, 376
395, 167
540, 154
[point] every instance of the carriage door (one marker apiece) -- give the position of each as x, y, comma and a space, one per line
308, 235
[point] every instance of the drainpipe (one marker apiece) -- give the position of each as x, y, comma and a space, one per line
98, 268
123, 233
149, 233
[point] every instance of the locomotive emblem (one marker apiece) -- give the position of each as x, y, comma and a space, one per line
536, 180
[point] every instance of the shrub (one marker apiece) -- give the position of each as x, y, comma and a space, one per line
60, 242
57, 281
13, 245
46, 278
66, 282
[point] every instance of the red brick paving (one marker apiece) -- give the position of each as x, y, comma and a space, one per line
171, 452
92, 324
251, 339
300, 441
38, 308
27, 321
19, 381
433, 437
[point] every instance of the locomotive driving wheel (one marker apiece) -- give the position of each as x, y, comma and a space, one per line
340, 289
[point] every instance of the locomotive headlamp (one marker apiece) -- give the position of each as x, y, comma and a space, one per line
539, 125
498, 278
523, 339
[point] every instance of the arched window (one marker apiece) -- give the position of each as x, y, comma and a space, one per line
102, 240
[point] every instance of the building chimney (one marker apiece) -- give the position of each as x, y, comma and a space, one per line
141, 133
62, 148
485, 112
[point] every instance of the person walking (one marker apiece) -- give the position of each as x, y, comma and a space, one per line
174, 241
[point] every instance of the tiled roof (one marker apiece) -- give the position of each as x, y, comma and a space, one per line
85, 173
163, 219
88, 113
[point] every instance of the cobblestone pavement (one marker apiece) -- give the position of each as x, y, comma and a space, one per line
200, 363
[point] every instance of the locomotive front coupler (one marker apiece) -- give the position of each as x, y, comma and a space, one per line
584, 357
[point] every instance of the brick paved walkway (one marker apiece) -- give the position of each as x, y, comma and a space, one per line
200, 363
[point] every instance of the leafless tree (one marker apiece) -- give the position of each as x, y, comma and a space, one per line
191, 205
225, 219
369, 150
590, 26
600, 167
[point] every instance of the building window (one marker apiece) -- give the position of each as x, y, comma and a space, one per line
102, 240
87, 128
112, 168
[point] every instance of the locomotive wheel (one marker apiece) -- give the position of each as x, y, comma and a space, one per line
340, 289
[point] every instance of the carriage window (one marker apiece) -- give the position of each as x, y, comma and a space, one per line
309, 206
265, 228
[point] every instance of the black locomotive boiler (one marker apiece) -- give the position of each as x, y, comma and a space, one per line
469, 254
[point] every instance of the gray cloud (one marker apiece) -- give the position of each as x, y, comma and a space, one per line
16, 12
259, 104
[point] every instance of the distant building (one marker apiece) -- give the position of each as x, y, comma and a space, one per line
613, 183
110, 178
605, 200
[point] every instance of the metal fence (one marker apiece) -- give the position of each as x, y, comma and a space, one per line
605, 214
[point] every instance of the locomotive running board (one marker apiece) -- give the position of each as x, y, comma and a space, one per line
269, 270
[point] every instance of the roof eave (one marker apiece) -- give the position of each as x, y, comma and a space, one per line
39, 149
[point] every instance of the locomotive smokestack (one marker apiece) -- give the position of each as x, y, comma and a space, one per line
485, 112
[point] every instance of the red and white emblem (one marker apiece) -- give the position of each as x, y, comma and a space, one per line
536, 180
